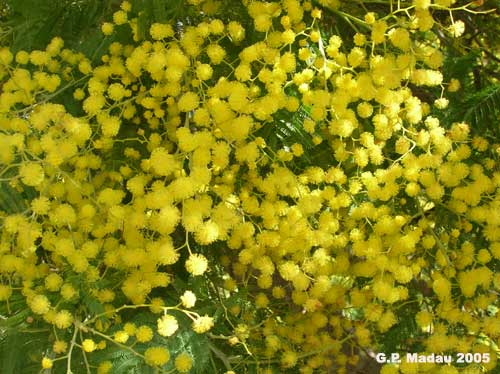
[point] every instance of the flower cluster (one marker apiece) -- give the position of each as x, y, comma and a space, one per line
165, 172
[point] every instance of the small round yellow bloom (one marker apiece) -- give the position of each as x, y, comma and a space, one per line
47, 363
130, 328
144, 334
289, 359
39, 304
121, 336
31, 174
22, 57
156, 356
203, 324
204, 72
60, 346
126, 6
104, 367
89, 345
160, 31
196, 264
107, 28
53, 282
120, 17
63, 319
167, 325
188, 102
216, 53
188, 299
236, 31
183, 362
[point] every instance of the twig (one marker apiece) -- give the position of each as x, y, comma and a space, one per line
106, 337
84, 355
220, 355
70, 351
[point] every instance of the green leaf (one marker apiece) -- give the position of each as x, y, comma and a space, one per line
20, 351
127, 362
160, 13
12, 201
14, 320
483, 108
93, 305
11, 358
194, 344
36, 22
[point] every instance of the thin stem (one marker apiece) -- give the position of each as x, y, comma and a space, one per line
123, 307
70, 351
51, 96
187, 243
85, 356
108, 338
220, 355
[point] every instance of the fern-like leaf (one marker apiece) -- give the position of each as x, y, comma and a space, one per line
482, 109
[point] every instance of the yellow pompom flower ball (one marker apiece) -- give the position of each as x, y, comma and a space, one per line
167, 325
144, 334
196, 264
104, 367
120, 17
53, 282
204, 72
183, 362
156, 356
89, 345
188, 299
39, 304
188, 102
63, 319
216, 53
160, 31
5, 292
60, 346
121, 336
47, 363
31, 174
424, 319
203, 324
207, 233
236, 31
107, 28
289, 359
